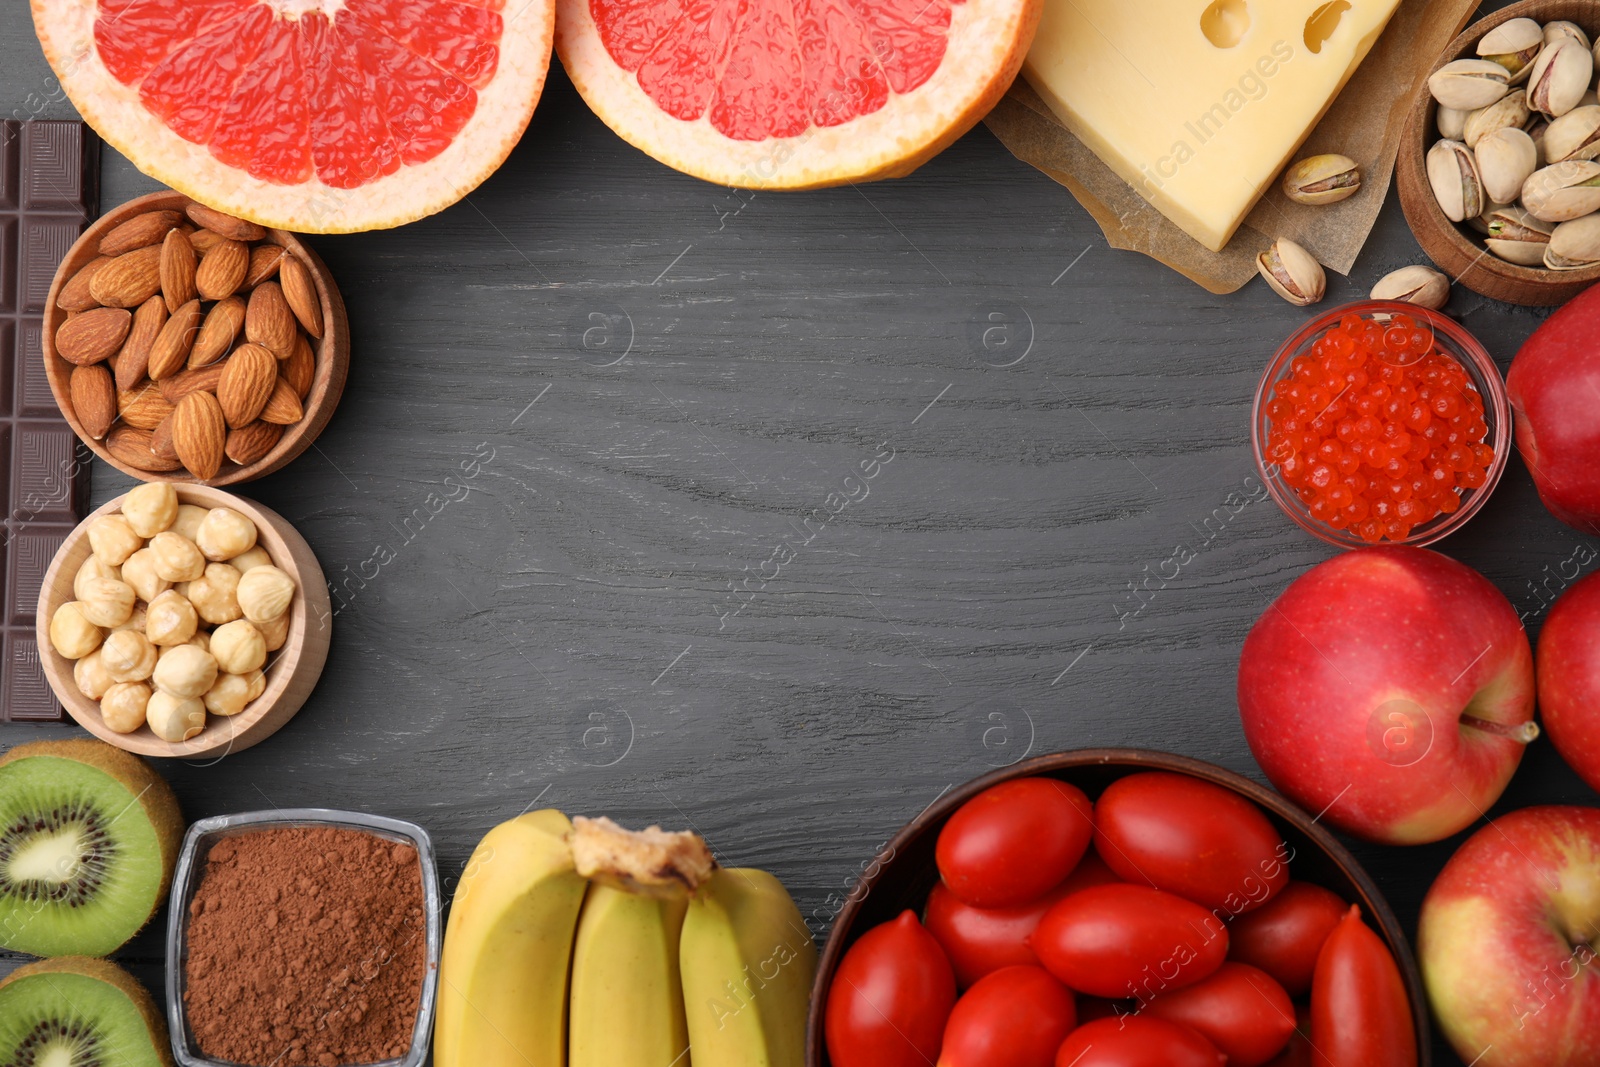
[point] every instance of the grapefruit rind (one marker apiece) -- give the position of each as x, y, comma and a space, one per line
987, 42
66, 32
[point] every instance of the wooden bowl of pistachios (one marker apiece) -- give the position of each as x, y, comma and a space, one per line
1499, 169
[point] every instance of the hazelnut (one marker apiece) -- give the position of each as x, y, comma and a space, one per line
225, 533
190, 516
215, 594
93, 567
123, 706
113, 540
275, 632
140, 572
231, 692
174, 718
72, 633
265, 593
200, 640
150, 508
256, 557
128, 656
170, 619
136, 621
178, 559
185, 671
238, 647
90, 674
107, 602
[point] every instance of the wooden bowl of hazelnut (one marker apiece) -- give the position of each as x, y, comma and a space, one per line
182, 621
186, 345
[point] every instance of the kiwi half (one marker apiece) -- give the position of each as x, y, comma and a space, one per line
79, 1012
88, 838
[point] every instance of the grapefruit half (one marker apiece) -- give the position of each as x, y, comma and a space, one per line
793, 94
322, 116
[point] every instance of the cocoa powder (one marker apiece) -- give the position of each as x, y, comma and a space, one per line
306, 946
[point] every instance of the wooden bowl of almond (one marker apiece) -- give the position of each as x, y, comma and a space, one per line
186, 345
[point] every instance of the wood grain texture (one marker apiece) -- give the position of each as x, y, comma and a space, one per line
553, 633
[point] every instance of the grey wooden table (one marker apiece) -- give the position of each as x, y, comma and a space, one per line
660, 380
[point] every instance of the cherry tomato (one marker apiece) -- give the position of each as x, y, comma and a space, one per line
1190, 837
1239, 1009
1297, 1053
1136, 1041
1284, 935
890, 998
1014, 842
1014, 1017
1124, 940
1090, 871
1360, 1014
981, 940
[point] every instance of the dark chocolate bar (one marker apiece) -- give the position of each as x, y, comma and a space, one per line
49, 192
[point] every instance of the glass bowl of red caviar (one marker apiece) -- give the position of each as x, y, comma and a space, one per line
1381, 422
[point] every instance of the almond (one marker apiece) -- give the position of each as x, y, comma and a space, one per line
93, 335
221, 272
218, 333
246, 384
300, 369
204, 241
268, 321
282, 407
301, 292
131, 446
129, 279
143, 408
181, 385
263, 264
250, 444
234, 229
161, 443
75, 293
177, 270
94, 399
139, 232
171, 350
200, 433
135, 354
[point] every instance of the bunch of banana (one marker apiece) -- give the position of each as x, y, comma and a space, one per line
580, 943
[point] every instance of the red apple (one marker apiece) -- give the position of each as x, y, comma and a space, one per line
1390, 689
1554, 386
1507, 941
1569, 677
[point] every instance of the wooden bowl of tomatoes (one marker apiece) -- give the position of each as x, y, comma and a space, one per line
1111, 906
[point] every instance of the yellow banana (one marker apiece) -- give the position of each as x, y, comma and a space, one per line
747, 961
627, 998
503, 973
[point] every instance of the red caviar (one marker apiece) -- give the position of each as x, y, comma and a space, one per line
1377, 430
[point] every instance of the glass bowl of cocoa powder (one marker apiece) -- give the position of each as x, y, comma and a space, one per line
303, 938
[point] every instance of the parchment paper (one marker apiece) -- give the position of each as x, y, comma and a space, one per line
1364, 123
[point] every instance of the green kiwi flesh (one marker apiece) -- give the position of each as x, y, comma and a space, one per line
86, 843
77, 1012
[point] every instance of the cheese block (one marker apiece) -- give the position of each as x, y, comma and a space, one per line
1199, 106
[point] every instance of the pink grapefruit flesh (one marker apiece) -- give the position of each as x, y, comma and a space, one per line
793, 93
322, 116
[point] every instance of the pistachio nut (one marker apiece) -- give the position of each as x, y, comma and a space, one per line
1536, 128
1513, 45
1510, 110
1468, 84
1505, 160
1563, 191
1517, 237
1324, 179
1560, 77
1418, 285
1453, 172
1452, 123
1563, 30
1575, 135
1480, 222
1574, 245
1292, 272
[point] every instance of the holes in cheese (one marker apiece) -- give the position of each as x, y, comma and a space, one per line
1323, 24
1225, 22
